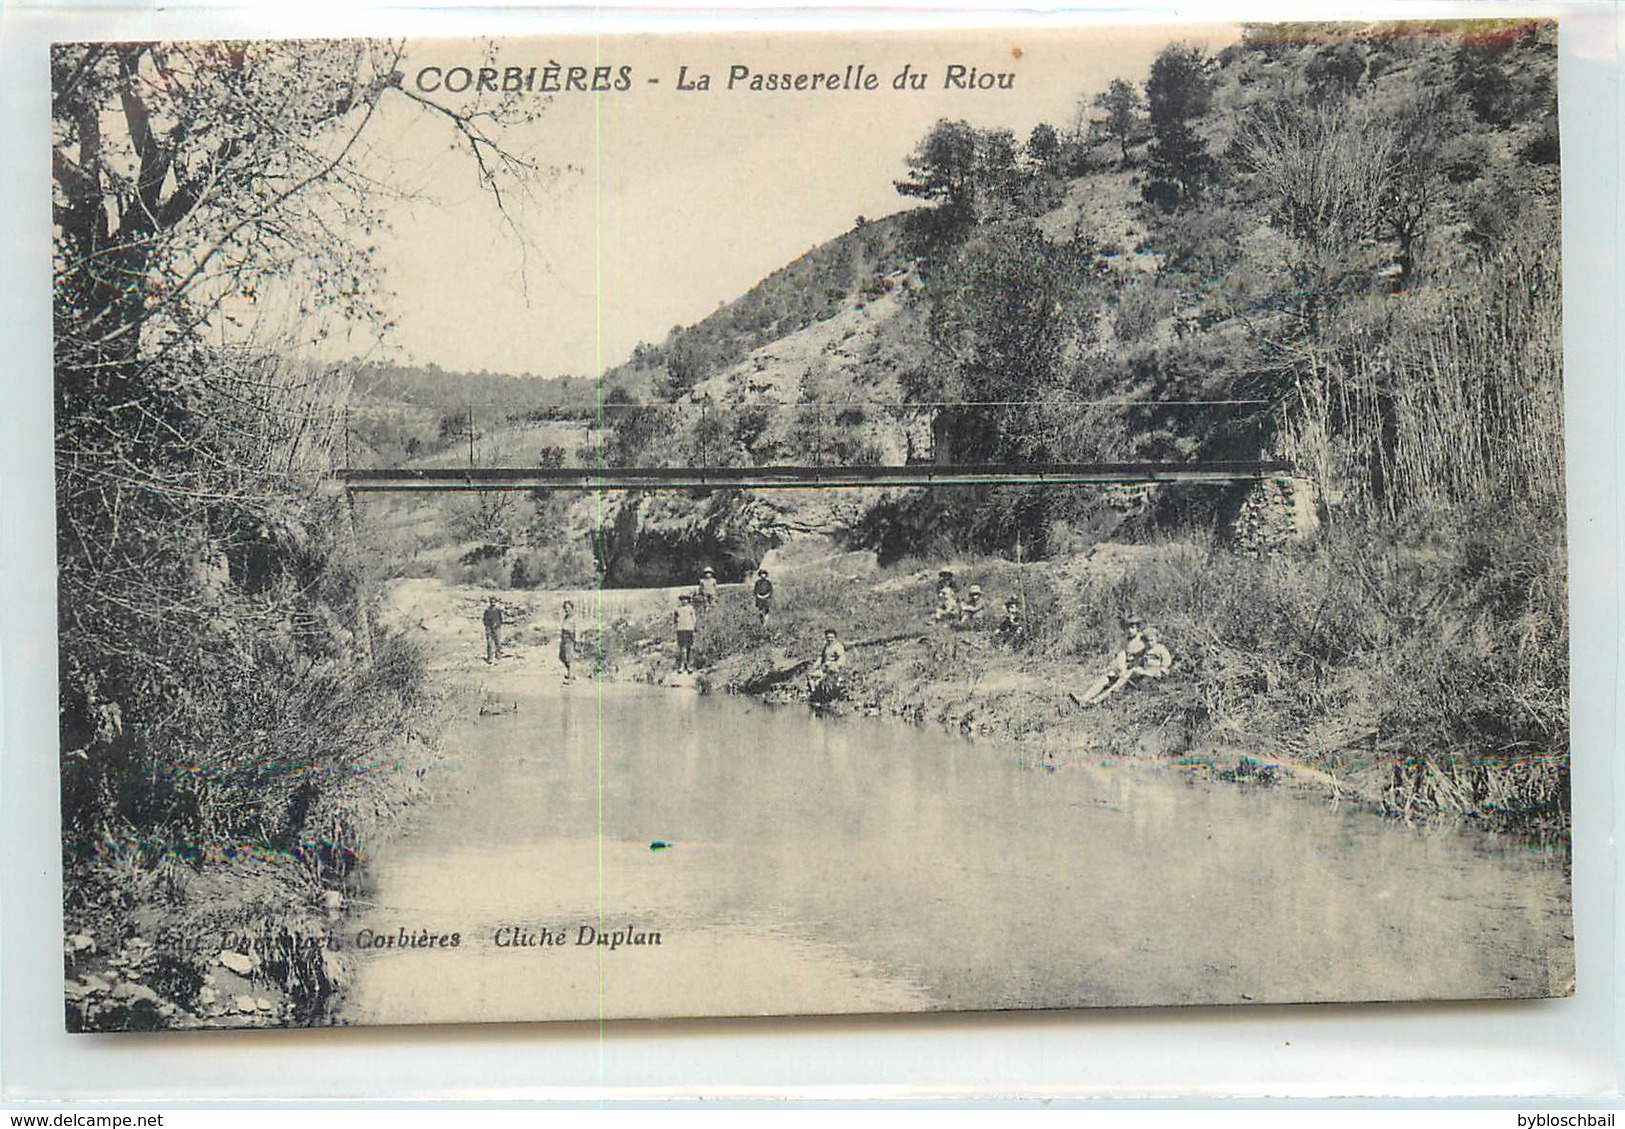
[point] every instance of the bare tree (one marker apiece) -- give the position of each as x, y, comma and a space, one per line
1416, 190
1327, 175
188, 174
218, 681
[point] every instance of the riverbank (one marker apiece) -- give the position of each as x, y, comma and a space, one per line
1233, 707
907, 665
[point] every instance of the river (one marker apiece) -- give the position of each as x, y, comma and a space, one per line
858, 865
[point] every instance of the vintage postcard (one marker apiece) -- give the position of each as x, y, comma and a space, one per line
719, 525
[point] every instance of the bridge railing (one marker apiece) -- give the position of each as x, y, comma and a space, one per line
499, 472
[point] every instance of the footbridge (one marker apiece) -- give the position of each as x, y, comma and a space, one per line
531, 479
819, 425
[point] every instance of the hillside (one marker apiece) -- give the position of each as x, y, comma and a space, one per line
1289, 228
400, 413
832, 276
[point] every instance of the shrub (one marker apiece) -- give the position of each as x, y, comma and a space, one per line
557, 566
1140, 308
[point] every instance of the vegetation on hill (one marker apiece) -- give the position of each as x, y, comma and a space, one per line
400, 413
1334, 248
810, 289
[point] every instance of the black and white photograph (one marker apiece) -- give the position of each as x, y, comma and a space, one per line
655, 526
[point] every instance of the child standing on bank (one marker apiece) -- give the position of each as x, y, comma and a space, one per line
684, 620
567, 640
762, 593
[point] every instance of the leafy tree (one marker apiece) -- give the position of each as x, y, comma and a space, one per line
637, 429
1544, 148
942, 168
1180, 166
1335, 71
1180, 87
647, 355
974, 175
1043, 143
1123, 108
1179, 91
1005, 316
998, 180
686, 364
1479, 74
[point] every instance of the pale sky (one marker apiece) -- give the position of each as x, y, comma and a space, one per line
666, 203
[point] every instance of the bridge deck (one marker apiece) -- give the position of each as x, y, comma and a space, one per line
798, 477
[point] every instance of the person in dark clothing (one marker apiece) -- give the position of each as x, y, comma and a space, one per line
762, 593
1011, 628
493, 630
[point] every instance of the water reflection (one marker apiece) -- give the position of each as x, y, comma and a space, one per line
857, 864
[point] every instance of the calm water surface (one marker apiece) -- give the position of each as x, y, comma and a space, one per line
854, 865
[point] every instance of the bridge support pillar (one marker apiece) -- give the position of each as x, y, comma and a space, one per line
1277, 512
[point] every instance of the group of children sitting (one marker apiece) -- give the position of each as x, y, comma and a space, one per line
967, 613
1143, 656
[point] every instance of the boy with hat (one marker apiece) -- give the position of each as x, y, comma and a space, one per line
970, 611
762, 593
706, 595
1010, 627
